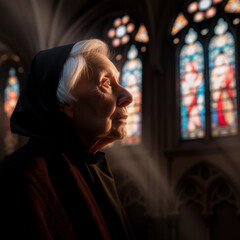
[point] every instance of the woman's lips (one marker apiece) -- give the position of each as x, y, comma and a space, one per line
122, 118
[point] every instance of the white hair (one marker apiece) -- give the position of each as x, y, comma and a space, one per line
76, 65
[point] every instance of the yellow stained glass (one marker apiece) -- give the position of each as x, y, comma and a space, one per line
179, 24
233, 6
142, 34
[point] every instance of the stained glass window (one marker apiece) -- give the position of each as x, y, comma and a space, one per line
129, 56
132, 80
11, 94
203, 9
207, 70
119, 33
223, 81
192, 88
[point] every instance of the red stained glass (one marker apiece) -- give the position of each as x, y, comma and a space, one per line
117, 22
130, 27
198, 17
125, 19
125, 39
111, 33
116, 42
193, 7
211, 12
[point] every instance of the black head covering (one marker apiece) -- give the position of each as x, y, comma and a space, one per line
36, 113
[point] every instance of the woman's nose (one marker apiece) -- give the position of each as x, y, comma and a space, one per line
125, 97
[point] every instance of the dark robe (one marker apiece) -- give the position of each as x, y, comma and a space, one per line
52, 188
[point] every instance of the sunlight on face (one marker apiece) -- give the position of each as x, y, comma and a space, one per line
100, 112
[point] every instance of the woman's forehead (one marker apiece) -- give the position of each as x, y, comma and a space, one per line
101, 63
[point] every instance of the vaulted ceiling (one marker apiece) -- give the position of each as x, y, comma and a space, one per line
27, 26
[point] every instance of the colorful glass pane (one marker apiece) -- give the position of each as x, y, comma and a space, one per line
116, 42
111, 33
125, 19
222, 81
130, 27
211, 12
179, 24
236, 21
198, 17
132, 80
125, 39
121, 31
233, 6
117, 22
11, 94
193, 7
142, 34
119, 34
204, 5
192, 88
205, 31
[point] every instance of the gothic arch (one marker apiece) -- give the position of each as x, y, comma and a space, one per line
206, 186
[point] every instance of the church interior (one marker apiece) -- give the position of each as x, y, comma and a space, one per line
177, 171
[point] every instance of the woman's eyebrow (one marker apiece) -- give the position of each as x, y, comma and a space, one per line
108, 71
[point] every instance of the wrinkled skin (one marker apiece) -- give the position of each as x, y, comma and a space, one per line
99, 116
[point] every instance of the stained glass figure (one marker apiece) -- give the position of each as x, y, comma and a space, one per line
131, 79
233, 6
192, 88
119, 34
222, 81
142, 34
179, 23
11, 94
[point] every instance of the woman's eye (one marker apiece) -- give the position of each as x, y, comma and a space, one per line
107, 83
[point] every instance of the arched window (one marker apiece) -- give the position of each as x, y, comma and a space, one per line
205, 40
10, 71
11, 95
128, 40
222, 79
192, 87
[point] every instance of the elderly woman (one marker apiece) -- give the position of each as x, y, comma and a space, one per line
59, 186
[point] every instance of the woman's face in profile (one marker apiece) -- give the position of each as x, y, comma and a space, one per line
100, 112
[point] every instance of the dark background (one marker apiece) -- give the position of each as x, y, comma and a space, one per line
171, 189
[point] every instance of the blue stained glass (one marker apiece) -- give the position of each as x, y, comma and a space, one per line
132, 80
223, 82
192, 88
